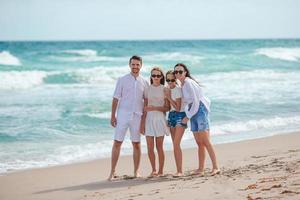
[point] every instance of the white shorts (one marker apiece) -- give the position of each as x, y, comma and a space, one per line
132, 122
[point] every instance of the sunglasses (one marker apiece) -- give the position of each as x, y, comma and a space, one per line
171, 80
155, 75
179, 71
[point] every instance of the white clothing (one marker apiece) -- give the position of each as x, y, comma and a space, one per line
192, 95
124, 123
156, 124
176, 93
130, 92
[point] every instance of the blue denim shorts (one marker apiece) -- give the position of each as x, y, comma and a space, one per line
200, 121
175, 119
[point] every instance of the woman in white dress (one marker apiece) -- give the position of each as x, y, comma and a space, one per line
155, 122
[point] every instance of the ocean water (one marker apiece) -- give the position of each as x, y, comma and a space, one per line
55, 97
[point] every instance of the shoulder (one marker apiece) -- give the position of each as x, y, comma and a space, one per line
188, 80
162, 87
143, 80
125, 77
177, 88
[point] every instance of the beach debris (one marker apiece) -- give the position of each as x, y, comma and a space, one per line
273, 186
251, 198
251, 187
289, 192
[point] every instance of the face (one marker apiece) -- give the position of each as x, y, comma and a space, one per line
156, 76
135, 66
171, 81
180, 73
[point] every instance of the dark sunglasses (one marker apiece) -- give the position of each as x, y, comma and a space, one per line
155, 75
179, 71
171, 80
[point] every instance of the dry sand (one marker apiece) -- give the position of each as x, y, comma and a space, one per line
267, 168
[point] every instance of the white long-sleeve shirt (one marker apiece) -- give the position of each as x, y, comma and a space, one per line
193, 95
130, 92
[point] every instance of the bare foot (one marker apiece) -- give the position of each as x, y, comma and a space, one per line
112, 177
215, 172
198, 172
177, 175
137, 175
153, 174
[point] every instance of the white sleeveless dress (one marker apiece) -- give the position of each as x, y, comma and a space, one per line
156, 124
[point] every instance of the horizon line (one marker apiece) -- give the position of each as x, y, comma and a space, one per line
120, 40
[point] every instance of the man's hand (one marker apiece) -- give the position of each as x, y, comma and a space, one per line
113, 121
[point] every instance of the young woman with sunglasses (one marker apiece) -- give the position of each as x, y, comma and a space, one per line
155, 122
197, 110
176, 114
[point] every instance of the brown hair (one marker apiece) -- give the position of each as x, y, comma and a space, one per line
135, 57
162, 80
171, 72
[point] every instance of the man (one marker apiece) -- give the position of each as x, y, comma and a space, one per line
127, 111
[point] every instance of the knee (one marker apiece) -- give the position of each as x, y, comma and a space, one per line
176, 144
201, 143
159, 148
136, 145
150, 149
117, 144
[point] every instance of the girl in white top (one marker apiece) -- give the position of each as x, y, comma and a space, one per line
197, 111
155, 123
176, 114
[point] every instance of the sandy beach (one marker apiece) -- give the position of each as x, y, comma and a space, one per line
266, 168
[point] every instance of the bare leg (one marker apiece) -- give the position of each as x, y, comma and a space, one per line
136, 157
161, 154
151, 154
115, 153
177, 149
172, 130
201, 151
210, 151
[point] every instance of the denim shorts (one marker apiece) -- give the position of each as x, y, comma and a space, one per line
200, 121
175, 118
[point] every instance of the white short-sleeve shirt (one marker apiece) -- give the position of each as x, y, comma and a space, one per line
130, 92
175, 94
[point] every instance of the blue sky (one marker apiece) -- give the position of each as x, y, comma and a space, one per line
148, 19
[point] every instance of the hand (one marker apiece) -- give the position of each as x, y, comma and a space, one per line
142, 128
185, 120
113, 121
148, 108
167, 92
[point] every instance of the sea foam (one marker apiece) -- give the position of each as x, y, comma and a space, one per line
289, 54
6, 58
21, 79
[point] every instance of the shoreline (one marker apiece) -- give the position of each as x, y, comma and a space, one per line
143, 153
243, 163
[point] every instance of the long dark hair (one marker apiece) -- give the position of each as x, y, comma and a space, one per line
188, 74
162, 80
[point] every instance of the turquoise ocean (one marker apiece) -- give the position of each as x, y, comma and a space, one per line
55, 97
